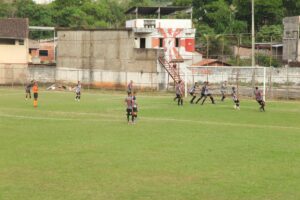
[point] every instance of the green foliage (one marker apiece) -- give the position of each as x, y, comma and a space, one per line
267, 12
140, 3
266, 60
291, 7
182, 2
266, 32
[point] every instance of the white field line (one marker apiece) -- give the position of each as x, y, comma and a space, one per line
170, 106
221, 123
117, 119
57, 118
11, 94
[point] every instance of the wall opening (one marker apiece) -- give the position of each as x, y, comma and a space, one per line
142, 43
7, 41
176, 42
21, 42
161, 42
43, 53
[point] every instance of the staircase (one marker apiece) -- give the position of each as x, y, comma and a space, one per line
170, 69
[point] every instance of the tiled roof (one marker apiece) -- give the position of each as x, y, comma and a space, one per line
207, 62
14, 28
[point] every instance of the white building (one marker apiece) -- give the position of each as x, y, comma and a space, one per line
175, 36
43, 1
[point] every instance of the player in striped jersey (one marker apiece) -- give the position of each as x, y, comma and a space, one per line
259, 98
130, 87
128, 103
27, 90
223, 90
207, 93
78, 91
134, 108
235, 98
179, 93
193, 92
202, 93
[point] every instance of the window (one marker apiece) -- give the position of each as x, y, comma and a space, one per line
7, 42
43, 53
161, 42
177, 42
21, 42
149, 24
142, 43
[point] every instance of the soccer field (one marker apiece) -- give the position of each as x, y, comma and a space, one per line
85, 150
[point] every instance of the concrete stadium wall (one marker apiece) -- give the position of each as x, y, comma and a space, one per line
11, 74
280, 82
107, 79
111, 50
291, 39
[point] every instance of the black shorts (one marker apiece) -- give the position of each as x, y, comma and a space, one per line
192, 94
134, 112
27, 90
178, 96
236, 101
128, 110
78, 93
260, 102
35, 95
135, 109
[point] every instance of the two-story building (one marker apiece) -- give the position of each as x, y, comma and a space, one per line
13, 49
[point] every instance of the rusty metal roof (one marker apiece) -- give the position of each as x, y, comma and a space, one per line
15, 28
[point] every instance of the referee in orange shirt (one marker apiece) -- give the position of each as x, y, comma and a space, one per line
35, 94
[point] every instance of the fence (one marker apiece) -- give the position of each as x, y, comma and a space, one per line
90, 78
281, 83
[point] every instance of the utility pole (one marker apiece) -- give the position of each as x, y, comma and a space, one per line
253, 36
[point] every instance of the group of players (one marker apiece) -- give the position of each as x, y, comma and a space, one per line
206, 92
131, 100
34, 85
131, 104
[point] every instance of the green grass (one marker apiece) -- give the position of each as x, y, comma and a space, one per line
85, 150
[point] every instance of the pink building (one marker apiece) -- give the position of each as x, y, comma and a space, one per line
42, 51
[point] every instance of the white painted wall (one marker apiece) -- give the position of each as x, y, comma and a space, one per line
161, 23
43, 1
14, 54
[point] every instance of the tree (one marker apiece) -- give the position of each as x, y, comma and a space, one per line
267, 12
140, 3
291, 7
266, 32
